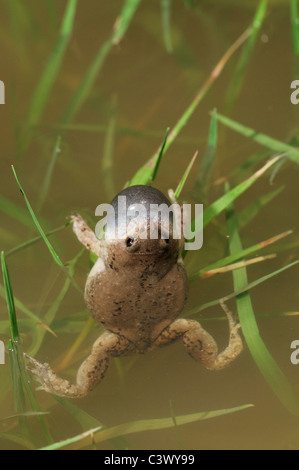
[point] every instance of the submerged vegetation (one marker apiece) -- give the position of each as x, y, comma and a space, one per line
22, 324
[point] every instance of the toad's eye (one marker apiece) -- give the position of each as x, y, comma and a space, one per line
129, 241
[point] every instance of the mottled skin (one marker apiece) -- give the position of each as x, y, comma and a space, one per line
136, 290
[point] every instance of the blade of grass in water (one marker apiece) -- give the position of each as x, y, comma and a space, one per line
9, 300
19, 398
37, 224
237, 256
51, 312
224, 201
149, 172
25, 310
264, 360
159, 158
16, 212
166, 14
199, 96
185, 176
20, 377
42, 233
45, 186
263, 139
35, 240
121, 25
247, 215
87, 421
239, 75
203, 176
295, 26
139, 426
107, 159
43, 89
249, 286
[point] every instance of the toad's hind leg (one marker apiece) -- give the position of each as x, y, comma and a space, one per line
200, 345
91, 371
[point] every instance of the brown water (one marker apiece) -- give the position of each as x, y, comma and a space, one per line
152, 89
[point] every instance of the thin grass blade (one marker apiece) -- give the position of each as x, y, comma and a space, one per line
108, 153
200, 95
142, 425
239, 75
224, 201
148, 172
166, 15
121, 25
295, 26
264, 360
276, 145
185, 176
37, 224
45, 186
203, 176
50, 72
45, 84
204, 272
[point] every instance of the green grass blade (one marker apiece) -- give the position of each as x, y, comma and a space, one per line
16, 212
224, 201
244, 289
203, 176
247, 215
37, 224
262, 139
265, 362
9, 300
295, 26
185, 176
30, 242
107, 159
239, 75
20, 377
45, 186
86, 84
87, 421
140, 426
19, 397
200, 95
166, 14
237, 256
148, 172
123, 21
43, 89
121, 25
159, 158
43, 235
49, 316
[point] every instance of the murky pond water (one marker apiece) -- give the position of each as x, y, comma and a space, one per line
140, 90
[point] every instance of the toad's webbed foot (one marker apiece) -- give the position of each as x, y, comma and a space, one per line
200, 345
91, 371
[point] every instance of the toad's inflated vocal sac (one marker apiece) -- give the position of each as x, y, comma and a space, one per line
136, 290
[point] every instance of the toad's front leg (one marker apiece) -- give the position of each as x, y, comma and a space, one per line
85, 235
90, 373
200, 345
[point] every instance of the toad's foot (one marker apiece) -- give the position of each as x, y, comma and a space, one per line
50, 382
91, 371
200, 345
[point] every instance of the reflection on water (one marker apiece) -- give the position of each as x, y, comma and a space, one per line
140, 91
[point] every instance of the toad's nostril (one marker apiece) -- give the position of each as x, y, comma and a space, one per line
129, 241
